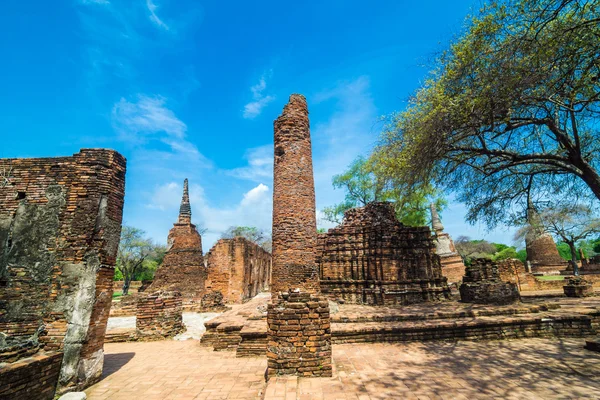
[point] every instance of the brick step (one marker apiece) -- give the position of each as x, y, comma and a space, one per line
399, 315
482, 328
546, 324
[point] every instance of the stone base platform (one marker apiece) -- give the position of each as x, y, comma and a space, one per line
246, 332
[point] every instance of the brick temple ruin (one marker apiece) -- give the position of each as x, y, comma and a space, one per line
453, 266
372, 258
183, 268
238, 268
299, 326
60, 223
482, 284
542, 254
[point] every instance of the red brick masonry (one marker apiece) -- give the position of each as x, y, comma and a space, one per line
60, 223
299, 336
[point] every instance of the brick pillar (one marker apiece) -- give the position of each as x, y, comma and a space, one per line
299, 336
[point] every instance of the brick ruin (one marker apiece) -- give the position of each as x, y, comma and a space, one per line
372, 258
238, 268
159, 316
183, 267
453, 266
482, 285
60, 223
542, 253
299, 326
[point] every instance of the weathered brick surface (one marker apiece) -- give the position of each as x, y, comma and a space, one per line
482, 285
299, 336
183, 267
159, 315
578, 286
60, 222
238, 269
371, 258
31, 378
543, 254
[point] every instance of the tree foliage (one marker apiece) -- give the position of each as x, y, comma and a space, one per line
363, 186
511, 108
253, 234
137, 254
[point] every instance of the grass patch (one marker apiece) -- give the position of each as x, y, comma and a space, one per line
117, 294
551, 278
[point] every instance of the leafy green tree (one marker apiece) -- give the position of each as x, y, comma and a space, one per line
522, 255
504, 254
134, 250
511, 107
253, 234
363, 186
469, 249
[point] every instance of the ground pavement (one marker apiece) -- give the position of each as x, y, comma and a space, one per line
520, 369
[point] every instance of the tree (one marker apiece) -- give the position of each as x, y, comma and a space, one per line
469, 249
134, 250
568, 223
513, 103
363, 186
253, 234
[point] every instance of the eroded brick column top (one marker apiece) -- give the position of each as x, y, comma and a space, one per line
294, 219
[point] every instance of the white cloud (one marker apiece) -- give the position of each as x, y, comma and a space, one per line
259, 99
148, 118
260, 165
153, 17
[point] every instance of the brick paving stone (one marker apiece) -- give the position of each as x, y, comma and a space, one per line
517, 369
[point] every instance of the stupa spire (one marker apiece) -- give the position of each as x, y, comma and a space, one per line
185, 211
436, 222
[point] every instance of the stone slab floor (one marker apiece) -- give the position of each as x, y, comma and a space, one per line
519, 369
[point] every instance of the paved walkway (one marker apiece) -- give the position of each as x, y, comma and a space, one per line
519, 369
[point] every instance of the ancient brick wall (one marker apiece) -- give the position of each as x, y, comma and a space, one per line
238, 268
482, 284
60, 223
371, 258
159, 315
294, 215
31, 378
299, 334
183, 267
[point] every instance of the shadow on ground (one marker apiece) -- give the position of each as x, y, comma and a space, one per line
114, 362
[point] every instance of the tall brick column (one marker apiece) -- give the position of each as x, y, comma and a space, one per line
299, 336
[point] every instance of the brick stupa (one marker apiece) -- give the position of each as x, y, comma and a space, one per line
299, 333
183, 267
542, 253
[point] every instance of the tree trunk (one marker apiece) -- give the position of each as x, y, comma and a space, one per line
590, 177
573, 258
126, 283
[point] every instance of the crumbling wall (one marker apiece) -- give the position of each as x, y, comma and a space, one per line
159, 316
371, 258
482, 284
299, 334
60, 223
238, 268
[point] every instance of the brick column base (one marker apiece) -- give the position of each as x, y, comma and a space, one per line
299, 336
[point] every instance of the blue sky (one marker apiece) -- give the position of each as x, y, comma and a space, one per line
191, 88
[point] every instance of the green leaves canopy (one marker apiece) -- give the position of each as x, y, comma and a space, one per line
512, 108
